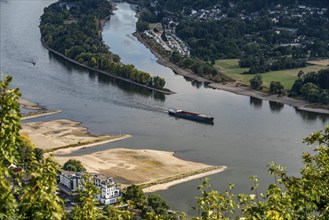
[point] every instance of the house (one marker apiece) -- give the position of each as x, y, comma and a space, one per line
71, 180
109, 191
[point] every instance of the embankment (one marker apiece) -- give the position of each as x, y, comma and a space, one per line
166, 92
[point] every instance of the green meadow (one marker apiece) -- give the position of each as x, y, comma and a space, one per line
230, 67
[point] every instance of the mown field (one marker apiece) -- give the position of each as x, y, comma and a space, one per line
231, 68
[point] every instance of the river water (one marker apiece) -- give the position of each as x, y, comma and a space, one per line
246, 136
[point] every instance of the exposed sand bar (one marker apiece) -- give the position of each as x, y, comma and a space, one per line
59, 133
155, 170
198, 175
28, 104
40, 111
38, 114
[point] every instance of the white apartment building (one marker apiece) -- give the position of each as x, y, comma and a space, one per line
109, 191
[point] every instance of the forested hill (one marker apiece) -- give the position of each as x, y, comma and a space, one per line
249, 5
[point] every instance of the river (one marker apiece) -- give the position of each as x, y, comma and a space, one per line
246, 136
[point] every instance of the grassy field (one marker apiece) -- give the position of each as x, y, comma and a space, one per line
231, 68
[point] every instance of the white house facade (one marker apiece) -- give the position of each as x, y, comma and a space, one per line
109, 191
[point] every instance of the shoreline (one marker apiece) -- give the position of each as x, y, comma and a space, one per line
105, 72
85, 145
29, 105
39, 111
232, 86
38, 114
198, 175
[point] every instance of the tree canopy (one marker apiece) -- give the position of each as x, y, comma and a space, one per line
73, 165
313, 86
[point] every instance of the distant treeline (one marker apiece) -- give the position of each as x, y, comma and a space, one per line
73, 28
261, 66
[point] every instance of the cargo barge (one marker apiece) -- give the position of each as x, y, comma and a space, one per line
191, 116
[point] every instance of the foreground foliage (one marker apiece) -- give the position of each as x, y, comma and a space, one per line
289, 197
27, 181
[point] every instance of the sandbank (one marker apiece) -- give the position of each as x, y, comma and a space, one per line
28, 104
156, 169
38, 114
39, 111
163, 185
235, 87
59, 133
152, 169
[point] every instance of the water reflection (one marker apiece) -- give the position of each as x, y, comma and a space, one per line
68, 65
310, 116
106, 79
276, 106
195, 83
257, 103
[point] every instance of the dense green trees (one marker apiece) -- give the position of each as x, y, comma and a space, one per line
256, 82
313, 86
246, 30
276, 88
28, 184
255, 42
73, 165
134, 194
76, 33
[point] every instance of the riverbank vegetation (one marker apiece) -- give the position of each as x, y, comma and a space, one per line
28, 185
272, 38
313, 86
73, 28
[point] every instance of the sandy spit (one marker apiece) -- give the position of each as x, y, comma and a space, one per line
28, 104
164, 186
41, 114
57, 133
